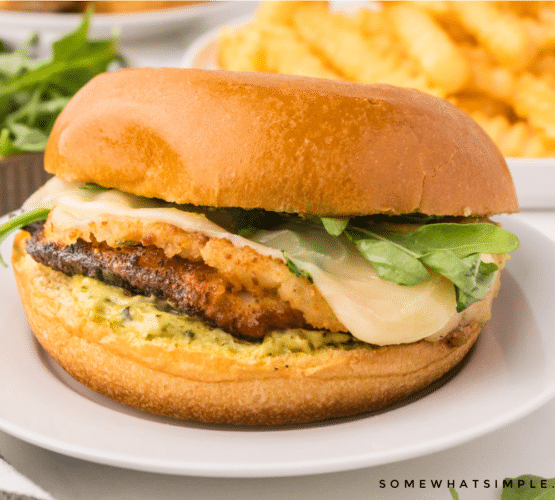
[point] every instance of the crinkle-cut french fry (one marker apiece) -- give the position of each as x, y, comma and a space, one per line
281, 12
518, 139
483, 103
501, 32
432, 7
375, 27
541, 33
371, 23
328, 35
495, 126
497, 81
271, 48
286, 53
544, 67
523, 9
443, 13
352, 54
457, 32
241, 50
441, 60
534, 98
546, 13
539, 145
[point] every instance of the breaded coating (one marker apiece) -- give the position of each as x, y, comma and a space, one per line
245, 272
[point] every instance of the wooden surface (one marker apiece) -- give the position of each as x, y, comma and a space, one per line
20, 176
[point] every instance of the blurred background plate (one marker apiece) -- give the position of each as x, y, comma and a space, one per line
534, 178
16, 27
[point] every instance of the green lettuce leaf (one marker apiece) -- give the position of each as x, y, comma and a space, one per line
335, 225
528, 487
33, 92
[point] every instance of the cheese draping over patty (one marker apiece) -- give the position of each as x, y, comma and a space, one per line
372, 309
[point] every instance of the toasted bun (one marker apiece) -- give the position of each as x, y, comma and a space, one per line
202, 386
282, 143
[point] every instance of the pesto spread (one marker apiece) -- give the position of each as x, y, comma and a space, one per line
150, 320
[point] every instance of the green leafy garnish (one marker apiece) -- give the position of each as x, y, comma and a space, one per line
452, 250
454, 494
335, 225
472, 277
33, 92
91, 186
295, 270
391, 262
20, 221
461, 239
247, 223
128, 243
528, 487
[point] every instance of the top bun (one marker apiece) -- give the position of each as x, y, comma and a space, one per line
279, 142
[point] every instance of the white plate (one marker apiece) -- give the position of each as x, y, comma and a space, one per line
509, 373
17, 26
534, 178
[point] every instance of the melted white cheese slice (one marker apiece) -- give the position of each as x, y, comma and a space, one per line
373, 310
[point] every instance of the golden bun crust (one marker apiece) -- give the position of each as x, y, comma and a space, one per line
278, 142
205, 387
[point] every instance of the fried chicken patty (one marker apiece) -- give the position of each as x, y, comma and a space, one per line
194, 288
249, 272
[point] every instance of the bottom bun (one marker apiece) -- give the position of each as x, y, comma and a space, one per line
212, 385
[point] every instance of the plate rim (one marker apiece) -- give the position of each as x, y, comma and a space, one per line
129, 27
59, 20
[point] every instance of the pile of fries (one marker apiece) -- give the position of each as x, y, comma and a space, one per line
494, 60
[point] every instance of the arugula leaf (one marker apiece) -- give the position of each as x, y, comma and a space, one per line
73, 43
247, 223
452, 250
528, 487
249, 231
91, 186
20, 221
461, 239
4, 47
472, 277
335, 225
28, 138
295, 270
33, 92
390, 262
14, 63
7, 146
